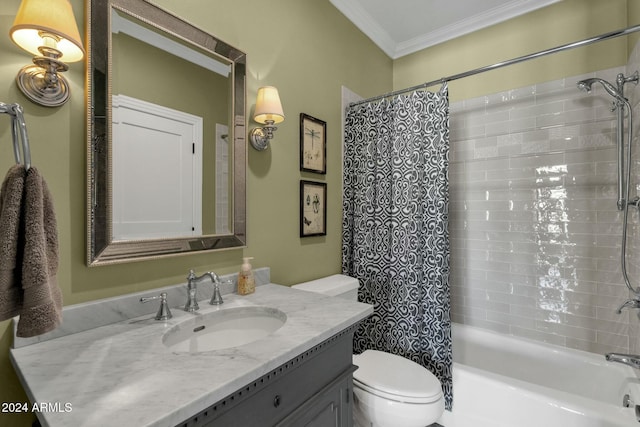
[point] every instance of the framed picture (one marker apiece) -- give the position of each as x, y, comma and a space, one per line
313, 209
313, 144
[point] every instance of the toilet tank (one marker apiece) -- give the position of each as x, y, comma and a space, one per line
337, 285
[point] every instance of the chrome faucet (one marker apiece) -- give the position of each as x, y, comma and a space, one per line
630, 303
632, 360
192, 300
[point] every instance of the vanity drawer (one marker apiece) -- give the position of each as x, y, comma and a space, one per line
273, 397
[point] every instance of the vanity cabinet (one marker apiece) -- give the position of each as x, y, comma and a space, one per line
328, 408
313, 389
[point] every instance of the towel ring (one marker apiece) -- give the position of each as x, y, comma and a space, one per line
18, 133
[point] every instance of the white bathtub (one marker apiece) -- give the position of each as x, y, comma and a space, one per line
504, 381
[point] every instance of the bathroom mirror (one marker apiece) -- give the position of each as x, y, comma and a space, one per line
166, 150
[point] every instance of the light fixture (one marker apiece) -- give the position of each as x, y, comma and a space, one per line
48, 30
268, 112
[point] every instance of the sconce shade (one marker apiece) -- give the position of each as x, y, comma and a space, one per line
268, 106
48, 16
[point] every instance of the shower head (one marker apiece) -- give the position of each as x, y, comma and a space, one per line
586, 84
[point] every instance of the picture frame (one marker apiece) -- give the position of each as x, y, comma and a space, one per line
313, 144
313, 208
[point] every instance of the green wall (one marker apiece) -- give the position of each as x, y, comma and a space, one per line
308, 50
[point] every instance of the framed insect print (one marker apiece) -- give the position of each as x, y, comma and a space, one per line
313, 144
313, 208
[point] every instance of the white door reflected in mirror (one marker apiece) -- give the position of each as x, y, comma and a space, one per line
157, 164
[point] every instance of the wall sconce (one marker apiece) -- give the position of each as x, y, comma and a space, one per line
48, 30
268, 112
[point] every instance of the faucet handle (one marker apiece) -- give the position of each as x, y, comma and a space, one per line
216, 298
163, 312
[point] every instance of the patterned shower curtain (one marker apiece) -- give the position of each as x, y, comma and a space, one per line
395, 236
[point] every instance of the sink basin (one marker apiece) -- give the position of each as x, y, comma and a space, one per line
226, 328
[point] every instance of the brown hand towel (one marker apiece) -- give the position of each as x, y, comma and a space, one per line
11, 238
38, 298
42, 303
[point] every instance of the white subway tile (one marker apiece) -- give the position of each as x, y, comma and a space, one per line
533, 222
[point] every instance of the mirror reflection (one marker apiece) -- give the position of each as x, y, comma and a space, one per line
167, 151
161, 119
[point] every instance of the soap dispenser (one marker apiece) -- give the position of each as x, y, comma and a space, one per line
246, 282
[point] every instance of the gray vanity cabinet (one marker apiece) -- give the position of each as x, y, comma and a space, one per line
313, 389
328, 408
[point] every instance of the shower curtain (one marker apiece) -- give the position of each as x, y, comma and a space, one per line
395, 237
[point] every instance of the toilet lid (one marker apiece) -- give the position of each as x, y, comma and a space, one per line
394, 377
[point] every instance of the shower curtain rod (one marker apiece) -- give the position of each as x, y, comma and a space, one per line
517, 60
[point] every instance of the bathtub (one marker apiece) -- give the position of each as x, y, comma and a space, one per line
505, 381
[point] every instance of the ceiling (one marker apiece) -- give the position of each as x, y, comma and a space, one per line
401, 27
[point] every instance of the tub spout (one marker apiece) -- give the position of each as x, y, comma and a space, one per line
632, 360
630, 303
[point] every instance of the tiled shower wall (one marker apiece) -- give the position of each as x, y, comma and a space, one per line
535, 232
634, 242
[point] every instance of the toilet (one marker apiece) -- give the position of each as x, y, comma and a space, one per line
389, 390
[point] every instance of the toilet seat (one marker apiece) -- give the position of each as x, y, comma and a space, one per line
395, 378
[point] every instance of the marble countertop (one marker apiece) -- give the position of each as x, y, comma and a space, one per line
122, 374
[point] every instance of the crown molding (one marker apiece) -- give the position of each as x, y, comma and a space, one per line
354, 11
395, 49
